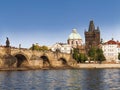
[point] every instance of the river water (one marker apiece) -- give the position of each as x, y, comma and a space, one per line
83, 79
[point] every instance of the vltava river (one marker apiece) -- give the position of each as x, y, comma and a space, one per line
83, 79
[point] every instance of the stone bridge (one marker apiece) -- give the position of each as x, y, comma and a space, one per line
16, 57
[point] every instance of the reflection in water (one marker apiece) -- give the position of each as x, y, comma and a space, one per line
83, 79
92, 79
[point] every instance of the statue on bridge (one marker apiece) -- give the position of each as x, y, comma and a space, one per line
7, 42
8, 49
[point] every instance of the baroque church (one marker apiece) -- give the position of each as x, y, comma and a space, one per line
74, 39
92, 36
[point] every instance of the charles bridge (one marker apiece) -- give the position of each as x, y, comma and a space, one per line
20, 57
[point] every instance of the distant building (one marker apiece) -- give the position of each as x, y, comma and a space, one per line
62, 47
74, 39
111, 49
92, 36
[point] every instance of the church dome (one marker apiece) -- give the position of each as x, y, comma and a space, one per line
74, 35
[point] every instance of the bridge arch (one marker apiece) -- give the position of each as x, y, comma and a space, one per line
22, 60
46, 61
63, 60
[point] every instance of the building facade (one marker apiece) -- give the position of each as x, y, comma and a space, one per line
62, 47
111, 49
74, 39
92, 36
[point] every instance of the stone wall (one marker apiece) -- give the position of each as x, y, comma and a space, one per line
97, 66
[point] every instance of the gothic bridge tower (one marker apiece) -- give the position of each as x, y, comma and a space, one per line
92, 36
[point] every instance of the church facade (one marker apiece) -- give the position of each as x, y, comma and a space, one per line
92, 36
74, 39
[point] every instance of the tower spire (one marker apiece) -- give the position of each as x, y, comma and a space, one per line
91, 26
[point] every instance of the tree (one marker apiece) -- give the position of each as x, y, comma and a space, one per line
39, 48
44, 48
92, 53
85, 57
96, 54
119, 56
82, 57
79, 57
76, 54
36, 47
99, 55
32, 48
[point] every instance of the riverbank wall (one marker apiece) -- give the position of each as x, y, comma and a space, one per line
75, 66
79, 66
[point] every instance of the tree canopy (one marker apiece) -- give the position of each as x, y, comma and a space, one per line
39, 48
96, 54
79, 57
92, 53
100, 57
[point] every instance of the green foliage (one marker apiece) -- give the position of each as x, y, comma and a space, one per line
76, 54
100, 57
96, 54
44, 48
119, 56
38, 48
79, 57
35, 47
92, 53
82, 57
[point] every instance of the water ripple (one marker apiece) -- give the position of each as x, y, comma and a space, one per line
83, 79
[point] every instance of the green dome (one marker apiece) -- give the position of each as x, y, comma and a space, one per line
74, 35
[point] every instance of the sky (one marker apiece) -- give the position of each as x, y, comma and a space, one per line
49, 21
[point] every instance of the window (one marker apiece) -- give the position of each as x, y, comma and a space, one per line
72, 42
76, 42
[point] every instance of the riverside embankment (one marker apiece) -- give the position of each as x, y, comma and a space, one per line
79, 66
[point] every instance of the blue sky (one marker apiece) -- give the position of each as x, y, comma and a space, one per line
49, 21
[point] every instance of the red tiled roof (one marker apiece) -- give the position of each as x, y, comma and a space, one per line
111, 42
118, 43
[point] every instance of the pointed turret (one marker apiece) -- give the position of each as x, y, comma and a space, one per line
98, 28
91, 26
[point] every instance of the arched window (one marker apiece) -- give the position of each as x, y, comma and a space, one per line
72, 42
